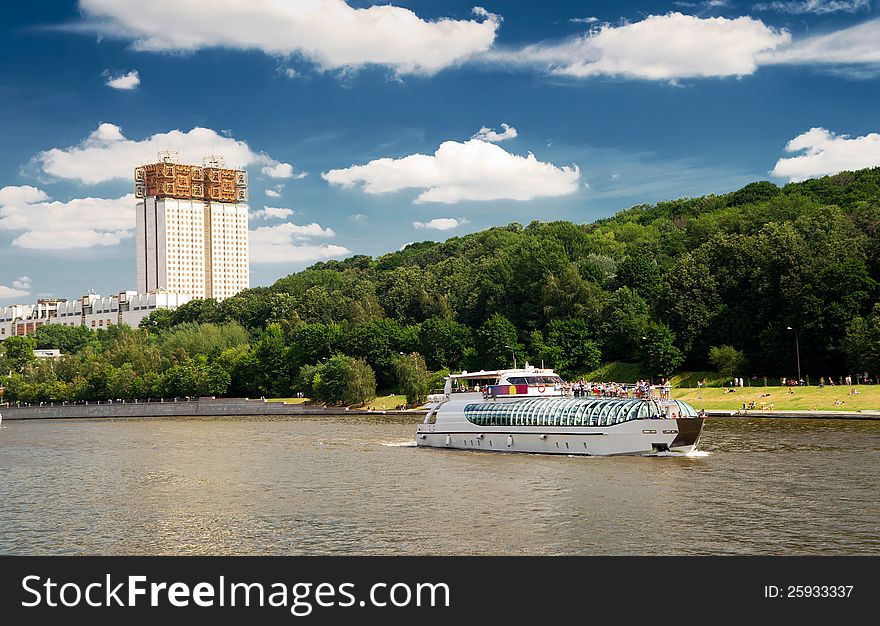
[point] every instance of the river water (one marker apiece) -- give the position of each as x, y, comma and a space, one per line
357, 485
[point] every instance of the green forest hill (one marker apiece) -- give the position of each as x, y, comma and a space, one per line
728, 282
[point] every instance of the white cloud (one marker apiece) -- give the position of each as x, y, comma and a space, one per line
20, 287
823, 152
358, 217
107, 154
854, 45
441, 223
270, 212
705, 4
472, 170
282, 170
7, 293
490, 134
272, 193
330, 33
584, 20
124, 81
408, 243
660, 47
21, 195
815, 7
54, 225
289, 243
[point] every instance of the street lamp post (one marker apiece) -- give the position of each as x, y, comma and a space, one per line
513, 352
797, 352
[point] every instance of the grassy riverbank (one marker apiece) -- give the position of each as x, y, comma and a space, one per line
379, 403
800, 398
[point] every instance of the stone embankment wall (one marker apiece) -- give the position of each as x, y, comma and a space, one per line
181, 408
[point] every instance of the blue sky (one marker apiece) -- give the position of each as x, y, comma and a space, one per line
328, 105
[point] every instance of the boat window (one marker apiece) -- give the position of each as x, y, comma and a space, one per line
566, 411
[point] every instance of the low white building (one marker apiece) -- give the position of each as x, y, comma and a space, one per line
92, 311
24, 319
52, 353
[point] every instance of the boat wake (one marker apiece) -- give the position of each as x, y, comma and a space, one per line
399, 444
692, 453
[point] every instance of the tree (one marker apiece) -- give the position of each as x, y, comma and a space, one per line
569, 295
191, 339
310, 343
305, 380
444, 342
379, 342
660, 357
862, 343
68, 339
20, 351
241, 365
689, 302
639, 274
273, 368
158, 320
344, 380
410, 295
753, 192
251, 308
199, 310
625, 319
197, 377
568, 347
497, 344
727, 360
412, 378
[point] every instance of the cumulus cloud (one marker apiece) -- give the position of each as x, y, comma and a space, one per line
290, 243
123, 81
490, 134
441, 223
7, 293
275, 192
282, 170
106, 154
329, 33
270, 212
815, 7
20, 287
660, 47
54, 225
823, 152
854, 45
472, 170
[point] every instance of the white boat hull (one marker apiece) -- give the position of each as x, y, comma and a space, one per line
635, 437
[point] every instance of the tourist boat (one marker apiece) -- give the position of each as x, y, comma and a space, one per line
532, 410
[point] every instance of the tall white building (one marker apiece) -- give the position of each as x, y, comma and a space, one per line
192, 229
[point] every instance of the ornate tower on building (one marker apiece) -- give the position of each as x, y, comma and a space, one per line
192, 228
